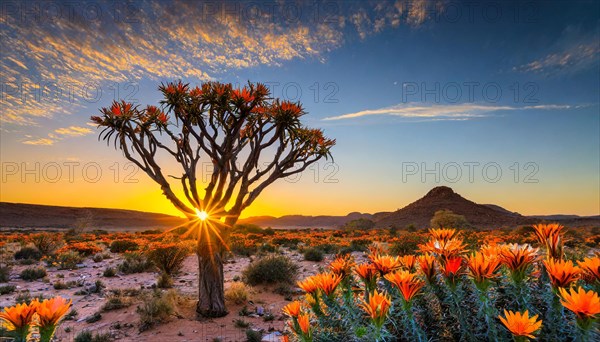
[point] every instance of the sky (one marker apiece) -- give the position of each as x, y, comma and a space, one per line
498, 100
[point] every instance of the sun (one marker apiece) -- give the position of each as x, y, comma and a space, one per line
202, 215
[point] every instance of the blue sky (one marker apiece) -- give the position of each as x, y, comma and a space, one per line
504, 86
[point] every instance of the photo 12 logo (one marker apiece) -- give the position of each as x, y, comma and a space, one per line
471, 171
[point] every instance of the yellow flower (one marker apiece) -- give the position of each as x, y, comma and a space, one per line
521, 324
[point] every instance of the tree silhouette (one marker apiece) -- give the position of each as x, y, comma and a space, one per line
249, 140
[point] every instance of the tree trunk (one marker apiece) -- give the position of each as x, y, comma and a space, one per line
211, 251
211, 294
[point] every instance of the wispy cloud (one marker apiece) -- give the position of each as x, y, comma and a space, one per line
577, 57
152, 39
59, 134
457, 112
40, 141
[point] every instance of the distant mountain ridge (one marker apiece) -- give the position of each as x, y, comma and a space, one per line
418, 213
20, 215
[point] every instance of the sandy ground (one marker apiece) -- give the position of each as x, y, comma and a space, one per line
123, 324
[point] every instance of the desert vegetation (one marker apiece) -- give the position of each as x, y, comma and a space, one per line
377, 284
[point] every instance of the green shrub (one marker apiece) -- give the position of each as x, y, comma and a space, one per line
155, 309
68, 260
164, 281
71, 315
253, 336
4, 274
6, 289
109, 272
86, 336
94, 318
237, 292
59, 285
33, 273
30, 253
169, 257
240, 323
135, 262
46, 243
271, 269
98, 258
116, 301
313, 254
26, 298
121, 246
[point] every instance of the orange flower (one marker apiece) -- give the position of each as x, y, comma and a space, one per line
291, 108
163, 118
366, 272
309, 285
243, 95
549, 235
452, 266
304, 322
586, 305
385, 263
427, 266
591, 267
544, 231
408, 283
377, 307
482, 268
444, 248
408, 261
443, 234
342, 265
115, 108
518, 259
292, 309
521, 324
51, 311
327, 282
561, 273
18, 318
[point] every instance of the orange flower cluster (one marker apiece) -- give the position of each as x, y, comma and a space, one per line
45, 315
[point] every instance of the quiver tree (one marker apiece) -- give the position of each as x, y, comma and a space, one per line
249, 139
